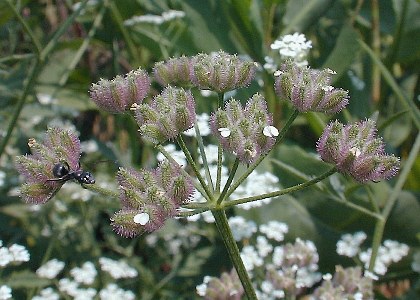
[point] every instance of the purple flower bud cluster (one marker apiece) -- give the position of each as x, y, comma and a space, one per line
221, 72
117, 95
309, 90
149, 197
59, 146
175, 71
248, 133
348, 283
356, 151
169, 114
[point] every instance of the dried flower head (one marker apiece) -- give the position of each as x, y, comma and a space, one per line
308, 89
149, 197
248, 133
117, 95
175, 71
221, 72
57, 157
355, 150
169, 114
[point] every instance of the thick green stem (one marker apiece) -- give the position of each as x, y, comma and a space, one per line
234, 254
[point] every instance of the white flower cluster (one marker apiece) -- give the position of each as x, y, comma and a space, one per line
290, 46
86, 276
203, 126
5, 292
155, 19
389, 252
286, 269
14, 254
117, 269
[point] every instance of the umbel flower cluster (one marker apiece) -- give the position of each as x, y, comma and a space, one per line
149, 197
60, 148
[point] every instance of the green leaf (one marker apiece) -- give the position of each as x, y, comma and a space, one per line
26, 279
344, 52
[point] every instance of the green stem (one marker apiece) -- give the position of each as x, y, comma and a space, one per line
219, 149
251, 168
196, 184
229, 181
292, 189
203, 156
26, 27
380, 224
234, 254
190, 160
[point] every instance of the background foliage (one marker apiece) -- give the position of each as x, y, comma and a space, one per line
47, 68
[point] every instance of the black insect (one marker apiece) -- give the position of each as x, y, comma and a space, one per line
62, 173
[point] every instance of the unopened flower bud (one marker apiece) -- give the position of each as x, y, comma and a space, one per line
309, 90
221, 72
248, 133
228, 287
41, 183
149, 197
355, 150
175, 71
169, 114
118, 94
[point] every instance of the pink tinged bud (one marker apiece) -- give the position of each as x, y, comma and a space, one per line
309, 90
356, 151
149, 197
246, 132
169, 114
118, 94
228, 286
59, 146
221, 72
175, 71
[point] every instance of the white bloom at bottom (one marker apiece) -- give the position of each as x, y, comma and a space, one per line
241, 228
5, 292
47, 294
112, 291
86, 274
251, 258
275, 230
19, 252
117, 269
50, 269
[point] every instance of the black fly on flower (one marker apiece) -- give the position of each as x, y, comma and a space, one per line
51, 164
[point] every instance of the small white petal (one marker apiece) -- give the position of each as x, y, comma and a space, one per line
224, 132
141, 218
270, 131
327, 88
355, 151
332, 72
277, 73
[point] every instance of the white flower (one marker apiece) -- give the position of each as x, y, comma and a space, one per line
5, 256
83, 294
263, 247
202, 288
19, 253
86, 274
274, 230
349, 245
251, 258
68, 286
112, 291
47, 294
224, 132
211, 152
278, 256
117, 269
5, 292
270, 131
141, 218
294, 46
50, 269
89, 146
241, 228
